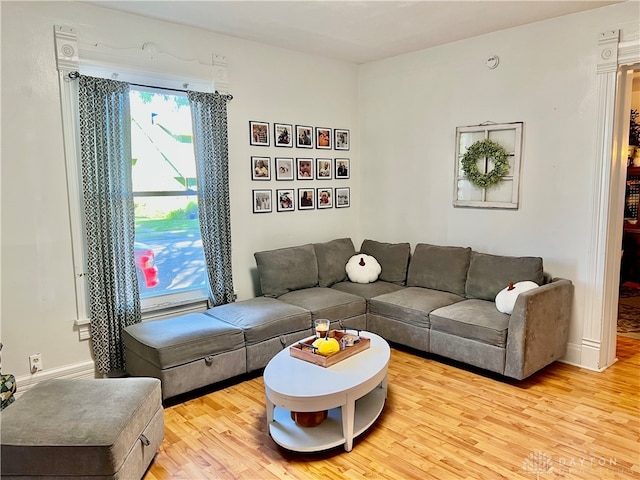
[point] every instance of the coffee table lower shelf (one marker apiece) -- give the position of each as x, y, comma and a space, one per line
286, 433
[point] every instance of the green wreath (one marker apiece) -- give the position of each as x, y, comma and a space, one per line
485, 149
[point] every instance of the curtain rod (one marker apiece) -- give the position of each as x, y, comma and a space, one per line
74, 75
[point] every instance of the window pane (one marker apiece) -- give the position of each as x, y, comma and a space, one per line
169, 253
169, 226
161, 142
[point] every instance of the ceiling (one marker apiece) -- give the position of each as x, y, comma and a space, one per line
356, 31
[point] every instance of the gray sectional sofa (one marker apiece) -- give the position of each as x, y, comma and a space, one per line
436, 299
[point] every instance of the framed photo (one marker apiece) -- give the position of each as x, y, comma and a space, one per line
323, 138
342, 168
286, 200
306, 198
304, 168
284, 168
260, 168
282, 135
343, 197
325, 197
259, 133
261, 201
304, 136
342, 139
324, 171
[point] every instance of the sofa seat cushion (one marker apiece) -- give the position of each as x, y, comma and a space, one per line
488, 274
179, 340
367, 290
83, 428
473, 319
439, 268
411, 305
332, 257
392, 257
262, 318
327, 303
287, 269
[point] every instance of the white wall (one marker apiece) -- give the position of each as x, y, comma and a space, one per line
268, 84
402, 112
410, 108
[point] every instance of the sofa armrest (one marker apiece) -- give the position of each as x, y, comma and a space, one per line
538, 328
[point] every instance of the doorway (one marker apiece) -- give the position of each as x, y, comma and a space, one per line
628, 319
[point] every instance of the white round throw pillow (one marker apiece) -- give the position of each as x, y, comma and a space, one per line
506, 298
363, 268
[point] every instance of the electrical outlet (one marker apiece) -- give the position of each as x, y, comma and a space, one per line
35, 362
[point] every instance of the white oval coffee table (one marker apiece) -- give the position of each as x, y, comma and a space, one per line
353, 391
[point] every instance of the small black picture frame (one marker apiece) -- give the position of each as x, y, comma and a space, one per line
286, 200
260, 168
324, 169
284, 168
262, 201
304, 168
283, 135
325, 197
342, 168
259, 133
306, 198
304, 136
324, 138
342, 197
342, 139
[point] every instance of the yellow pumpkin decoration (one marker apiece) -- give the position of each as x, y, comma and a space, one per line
326, 346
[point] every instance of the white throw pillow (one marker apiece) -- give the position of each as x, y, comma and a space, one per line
506, 298
363, 268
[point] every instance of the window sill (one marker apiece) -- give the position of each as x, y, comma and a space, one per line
154, 312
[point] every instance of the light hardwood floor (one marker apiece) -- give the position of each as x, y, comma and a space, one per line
441, 421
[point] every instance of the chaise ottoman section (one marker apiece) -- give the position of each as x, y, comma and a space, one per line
185, 352
83, 428
268, 325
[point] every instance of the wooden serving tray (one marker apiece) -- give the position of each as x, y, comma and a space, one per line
307, 354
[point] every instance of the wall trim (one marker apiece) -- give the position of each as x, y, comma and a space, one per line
78, 370
573, 355
601, 300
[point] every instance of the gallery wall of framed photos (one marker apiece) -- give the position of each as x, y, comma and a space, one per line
317, 154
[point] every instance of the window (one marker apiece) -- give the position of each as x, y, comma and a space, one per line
169, 256
501, 195
149, 65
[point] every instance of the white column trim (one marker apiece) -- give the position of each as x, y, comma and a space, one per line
220, 73
598, 347
66, 42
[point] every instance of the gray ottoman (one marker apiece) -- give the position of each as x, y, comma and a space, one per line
83, 428
268, 324
185, 352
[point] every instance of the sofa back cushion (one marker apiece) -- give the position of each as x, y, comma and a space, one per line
392, 257
488, 274
287, 269
439, 268
332, 258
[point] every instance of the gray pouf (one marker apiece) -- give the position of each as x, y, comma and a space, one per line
83, 428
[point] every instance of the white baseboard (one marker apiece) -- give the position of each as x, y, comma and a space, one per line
78, 370
573, 355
